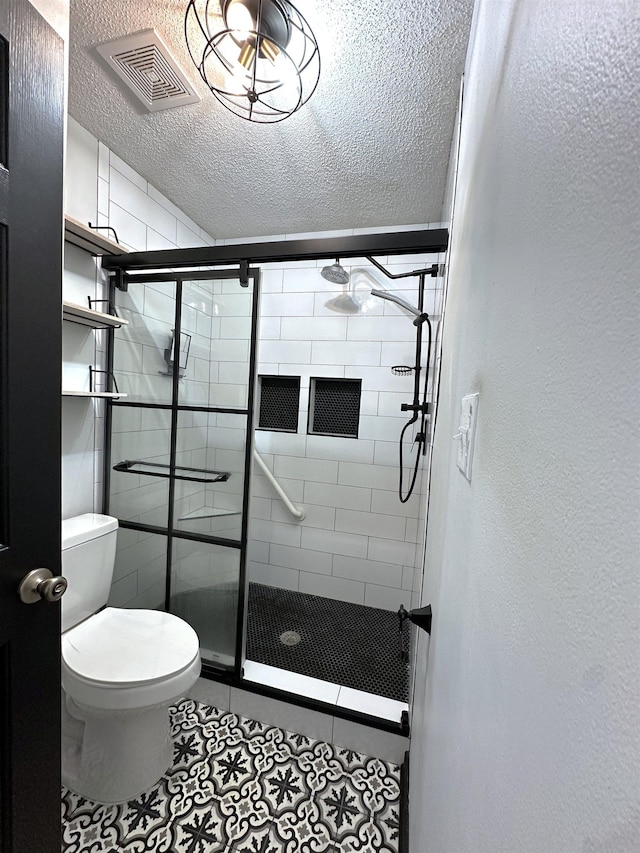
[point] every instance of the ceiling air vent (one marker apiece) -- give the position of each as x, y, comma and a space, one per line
142, 61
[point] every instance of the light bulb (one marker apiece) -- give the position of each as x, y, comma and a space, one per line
238, 17
246, 55
270, 50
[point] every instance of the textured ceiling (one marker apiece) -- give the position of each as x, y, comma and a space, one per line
370, 148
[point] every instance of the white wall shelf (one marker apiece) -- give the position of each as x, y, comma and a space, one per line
88, 317
89, 239
109, 395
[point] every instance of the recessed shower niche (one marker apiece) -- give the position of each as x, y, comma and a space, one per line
177, 466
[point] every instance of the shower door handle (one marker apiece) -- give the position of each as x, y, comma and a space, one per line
41, 584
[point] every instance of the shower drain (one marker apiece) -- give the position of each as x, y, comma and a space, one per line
290, 638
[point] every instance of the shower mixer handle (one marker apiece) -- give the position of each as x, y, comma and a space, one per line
421, 617
423, 408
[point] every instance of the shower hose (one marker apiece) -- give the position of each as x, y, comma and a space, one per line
421, 437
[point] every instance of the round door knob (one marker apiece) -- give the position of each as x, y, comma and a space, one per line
41, 584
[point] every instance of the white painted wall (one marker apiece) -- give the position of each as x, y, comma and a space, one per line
56, 13
526, 731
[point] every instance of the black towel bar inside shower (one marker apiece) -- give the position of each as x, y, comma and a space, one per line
134, 466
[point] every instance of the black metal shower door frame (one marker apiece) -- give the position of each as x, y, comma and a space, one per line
241, 255
122, 280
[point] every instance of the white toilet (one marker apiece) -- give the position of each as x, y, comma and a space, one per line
121, 669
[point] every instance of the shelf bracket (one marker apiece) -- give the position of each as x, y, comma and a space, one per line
105, 228
107, 302
94, 370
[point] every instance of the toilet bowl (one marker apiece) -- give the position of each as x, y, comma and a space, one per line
121, 669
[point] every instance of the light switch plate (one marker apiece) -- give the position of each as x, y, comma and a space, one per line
466, 435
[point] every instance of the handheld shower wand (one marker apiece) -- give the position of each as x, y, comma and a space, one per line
419, 408
420, 317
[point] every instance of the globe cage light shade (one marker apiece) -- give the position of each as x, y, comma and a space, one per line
264, 73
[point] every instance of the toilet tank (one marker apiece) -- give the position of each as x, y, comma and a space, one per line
88, 556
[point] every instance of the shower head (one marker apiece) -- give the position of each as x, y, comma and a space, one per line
336, 273
346, 303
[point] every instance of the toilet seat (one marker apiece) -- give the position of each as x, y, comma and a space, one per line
122, 659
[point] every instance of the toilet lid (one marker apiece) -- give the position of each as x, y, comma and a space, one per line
121, 647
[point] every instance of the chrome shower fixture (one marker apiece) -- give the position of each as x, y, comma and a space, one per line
398, 301
391, 297
336, 273
346, 303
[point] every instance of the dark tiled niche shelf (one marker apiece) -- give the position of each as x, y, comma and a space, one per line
279, 403
334, 407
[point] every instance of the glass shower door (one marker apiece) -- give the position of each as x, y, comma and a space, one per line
188, 430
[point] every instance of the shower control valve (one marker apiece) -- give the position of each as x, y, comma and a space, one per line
420, 617
423, 408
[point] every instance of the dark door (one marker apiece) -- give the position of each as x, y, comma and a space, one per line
31, 152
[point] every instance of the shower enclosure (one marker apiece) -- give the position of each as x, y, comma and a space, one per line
180, 448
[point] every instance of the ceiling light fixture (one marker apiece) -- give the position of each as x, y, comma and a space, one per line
261, 61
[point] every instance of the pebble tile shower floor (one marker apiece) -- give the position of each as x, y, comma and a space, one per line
340, 642
239, 786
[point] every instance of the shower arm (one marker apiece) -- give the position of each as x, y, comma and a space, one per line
433, 270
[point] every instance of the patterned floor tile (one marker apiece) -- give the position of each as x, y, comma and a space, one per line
230, 768
377, 783
88, 826
302, 830
261, 841
366, 837
320, 764
245, 810
142, 823
389, 822
240, 786
284, 787
269, 745
201, 830
189, 715
342, 808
